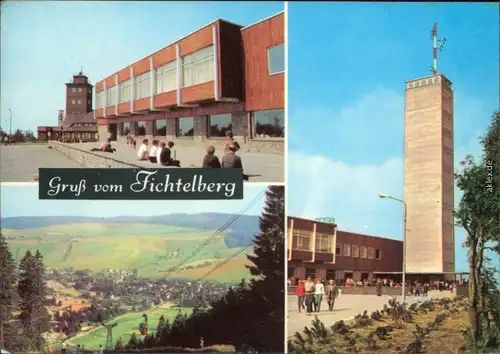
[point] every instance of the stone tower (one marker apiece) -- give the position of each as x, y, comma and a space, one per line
78, 95
428, 176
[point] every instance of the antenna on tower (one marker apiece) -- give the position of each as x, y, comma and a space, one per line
438, 44
81, 70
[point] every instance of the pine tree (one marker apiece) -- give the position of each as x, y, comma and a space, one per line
268, 259
133, 342
160, 328
34, 317
119, 344
7, 284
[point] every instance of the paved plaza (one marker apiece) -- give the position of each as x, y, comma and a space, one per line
346, 307
20, 163
260, 167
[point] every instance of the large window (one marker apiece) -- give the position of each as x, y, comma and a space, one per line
125, 129
323, 242
302, 240
276, 59
371, 253
125, 91
111, 98
140, 129
185, 127
347, 250
218, 125
166, 77
142, 86
198, 67
160, 127
363, 252
100, 99
269, 124
378, 253
338, 249
355, 251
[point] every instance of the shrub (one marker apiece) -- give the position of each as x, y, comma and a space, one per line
376, 316
382, 331
340, 327
362, 320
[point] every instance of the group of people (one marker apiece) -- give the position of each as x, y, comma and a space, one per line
160, 153
310, 295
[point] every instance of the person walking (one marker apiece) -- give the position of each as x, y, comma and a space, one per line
332, 291
379, 288
301, 293
309, 299
319, 291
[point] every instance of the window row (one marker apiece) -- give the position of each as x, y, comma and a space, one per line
76, 89
355, 251
303, 241
266, 123
76, 101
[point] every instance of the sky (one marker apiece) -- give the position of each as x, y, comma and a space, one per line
347, 67
23, 200
44, 43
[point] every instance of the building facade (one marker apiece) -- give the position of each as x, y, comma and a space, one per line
319, 249
221, 77
77, 123
429, 181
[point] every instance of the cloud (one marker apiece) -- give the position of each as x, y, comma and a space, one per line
372, 123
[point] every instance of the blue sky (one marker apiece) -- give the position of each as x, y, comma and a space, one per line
44, 43
23, 201
348, 63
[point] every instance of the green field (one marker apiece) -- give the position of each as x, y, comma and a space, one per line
126, 325
149, 248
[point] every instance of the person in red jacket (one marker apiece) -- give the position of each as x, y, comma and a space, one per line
301, 295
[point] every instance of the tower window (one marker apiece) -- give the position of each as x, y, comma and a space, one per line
73, 101
79, 101
73, 89
79, 89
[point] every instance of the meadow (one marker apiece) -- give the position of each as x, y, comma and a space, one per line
153, 250
126, 325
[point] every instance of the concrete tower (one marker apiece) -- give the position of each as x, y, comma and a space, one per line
428, 180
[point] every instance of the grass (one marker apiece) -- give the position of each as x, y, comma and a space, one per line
126, 325
218, 348
446, 337
145, 247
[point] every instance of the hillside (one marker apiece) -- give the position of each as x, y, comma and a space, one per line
239, 234
153, 250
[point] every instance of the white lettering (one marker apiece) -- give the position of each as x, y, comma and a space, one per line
141, 185
56, 187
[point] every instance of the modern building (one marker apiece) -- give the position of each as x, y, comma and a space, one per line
221, 77
78, 122
318, 249
429, 181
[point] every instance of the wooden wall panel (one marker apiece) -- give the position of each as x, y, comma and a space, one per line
198, 92
198, 40
263, 91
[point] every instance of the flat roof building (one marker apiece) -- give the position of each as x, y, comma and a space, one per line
319, 249
222, 77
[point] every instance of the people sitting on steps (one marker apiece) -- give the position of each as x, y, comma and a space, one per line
153, 151
142, 153
166, 155
106, 147
231, 160
210, 160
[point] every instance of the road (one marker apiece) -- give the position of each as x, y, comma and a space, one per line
346, 307
20, 163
